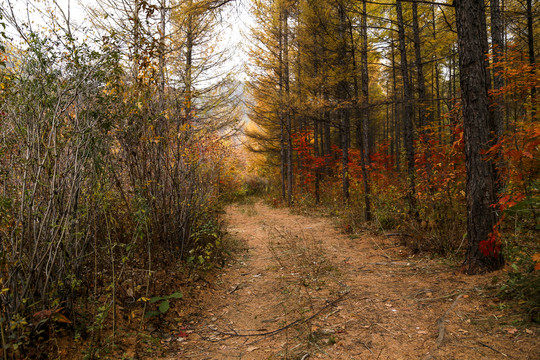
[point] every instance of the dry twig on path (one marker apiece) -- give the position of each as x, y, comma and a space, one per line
294, 323
441, 297
492, 348
442, 328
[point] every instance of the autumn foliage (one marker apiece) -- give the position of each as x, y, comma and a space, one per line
440, 171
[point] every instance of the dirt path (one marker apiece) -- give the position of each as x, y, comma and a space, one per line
303, 291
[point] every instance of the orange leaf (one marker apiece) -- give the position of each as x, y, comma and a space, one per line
536, 257
537, 266
504, 199
510, 204
58, 317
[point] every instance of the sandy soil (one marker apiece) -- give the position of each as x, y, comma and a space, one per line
303, 290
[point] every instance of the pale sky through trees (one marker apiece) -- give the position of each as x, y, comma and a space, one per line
234, 23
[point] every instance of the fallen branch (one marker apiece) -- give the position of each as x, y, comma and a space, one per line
332, 313
394, 263
491, 348
440, 322
379, 246
440, 297
294, 323
382, 327
442, 328
235, 288
367, 347
397, 235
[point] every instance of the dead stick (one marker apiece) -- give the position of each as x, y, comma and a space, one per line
440, 322
367, 347
382, 327
397, 234
440, 297
235, 288
442, 329
491, 348
296, 322
379, 246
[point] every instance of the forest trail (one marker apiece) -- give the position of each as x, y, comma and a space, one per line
303, 290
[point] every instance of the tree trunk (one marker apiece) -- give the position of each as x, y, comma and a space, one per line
136, 42
316, 149
161, 54
288, 117
395, 112
408, 113
453, 96
364, 150
437, 86
498, 57
344, 111
188, 82
480, 187
532, 58
282, 160
424, 114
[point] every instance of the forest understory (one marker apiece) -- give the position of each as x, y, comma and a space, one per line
298, 287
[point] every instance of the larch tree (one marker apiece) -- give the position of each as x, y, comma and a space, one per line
267, 88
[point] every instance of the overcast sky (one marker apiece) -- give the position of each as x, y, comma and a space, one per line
235, 20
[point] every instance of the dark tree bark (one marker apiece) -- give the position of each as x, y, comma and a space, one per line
453, 95
280, 110
424, 114
342, 94
327, 129
161, 53
409, 112
362, 116
317, 126
480, 187
365, 84
316, 147
288, 116
395, 112
364, 158
532, 59
188, 81
436, 80
498, 53
136, 42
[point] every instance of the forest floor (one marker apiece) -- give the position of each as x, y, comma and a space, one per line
300, 289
